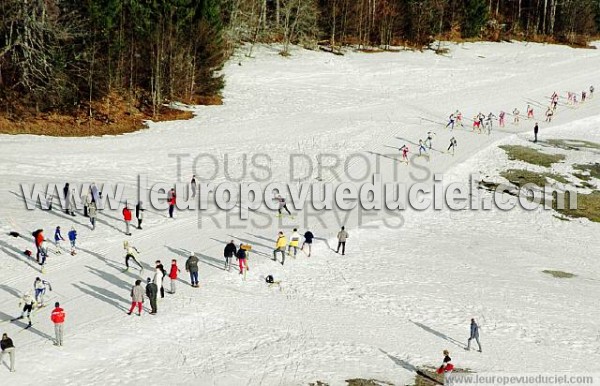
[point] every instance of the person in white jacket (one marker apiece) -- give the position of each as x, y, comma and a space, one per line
159, 275
131, 253
294, 242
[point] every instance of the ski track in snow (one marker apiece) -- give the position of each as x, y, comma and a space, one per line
399, 296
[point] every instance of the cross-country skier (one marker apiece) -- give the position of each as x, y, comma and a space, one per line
173, 274
422, 147
92, 213
191, 266
501, 117
583, 95
229, 252
342, 236
452, 145
152, 294
308, 239
294, 242
39, 287
459, 118
450, 122
516, 113
529, 112
137, 297
193, 185
28, 302
127, 219
282, 205
172, 198
58, 318
72, 239
446, 367
139, 213
474, 335
159, 276
132, 253
476, 124
280, 245
480, 118
57, 239
549, 114
489, 122
429, 139
536, 129
404, 150
43, 253
7, 346
242, 258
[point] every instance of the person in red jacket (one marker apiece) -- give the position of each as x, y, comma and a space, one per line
39, 239
173, 274
58, 318
127, 218
446, 367
172, 198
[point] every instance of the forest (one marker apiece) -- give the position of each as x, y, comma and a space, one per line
75, 57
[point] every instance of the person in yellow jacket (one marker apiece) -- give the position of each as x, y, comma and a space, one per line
294, 242
280, 247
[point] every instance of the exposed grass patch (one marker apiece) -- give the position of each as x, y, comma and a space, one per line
530, 155
559, 274
588, 206
593, 170
573, 144
425, 376
582, 177
367, 382
520, 177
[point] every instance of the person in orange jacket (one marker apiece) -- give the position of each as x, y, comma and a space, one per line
58, 318
127, 219
173, 274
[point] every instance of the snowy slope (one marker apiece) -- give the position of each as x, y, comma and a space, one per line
394, 301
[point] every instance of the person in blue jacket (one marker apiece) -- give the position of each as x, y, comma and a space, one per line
72, 238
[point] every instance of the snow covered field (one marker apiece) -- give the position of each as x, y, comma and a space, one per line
398, 297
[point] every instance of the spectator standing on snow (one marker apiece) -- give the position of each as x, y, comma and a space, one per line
173, 274
57, 239
72, 239
172, 198
342, 236
7, 346
191, 266
229, 252
280, 245
137, 297
308, 239
92, 213
159, 275
127, 219
139, 213
86, 199
38, 236
66, 195
151, 294
474, 335
536, 129
58, 318
194, 185
294, 242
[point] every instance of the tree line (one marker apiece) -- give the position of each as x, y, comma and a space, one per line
65, 54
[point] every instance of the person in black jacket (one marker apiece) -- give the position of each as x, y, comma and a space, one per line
151, 293
139, 213
228, 253
7, 346
308, 239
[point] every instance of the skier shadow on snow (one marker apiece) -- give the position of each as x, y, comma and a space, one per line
10, 290
383, 155
5, 317
103, 295
109, 277
439, 334
326, 243
210, 261
254, 243
23, 324
400, 362
54, 212
17, 254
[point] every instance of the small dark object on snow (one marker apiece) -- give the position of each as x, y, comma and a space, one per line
27, 252
269, 279
14, 234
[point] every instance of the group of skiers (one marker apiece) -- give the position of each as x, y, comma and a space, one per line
42, 245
